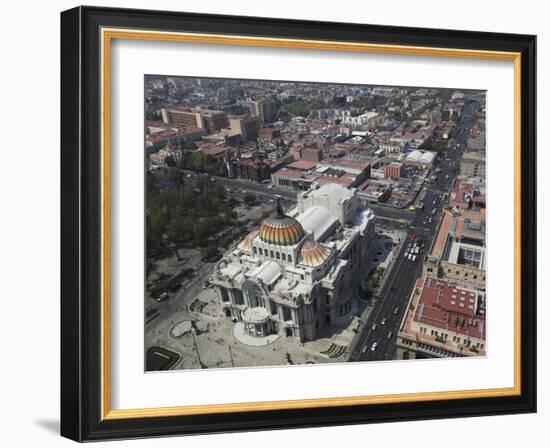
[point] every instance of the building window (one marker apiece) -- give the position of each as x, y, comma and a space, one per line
255, 250
290, 258
260, 251
271, 254
286, 313
283, 255
278, 255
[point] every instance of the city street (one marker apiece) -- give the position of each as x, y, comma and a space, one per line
390, 306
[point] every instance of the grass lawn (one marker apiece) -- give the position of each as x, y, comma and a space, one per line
160, 358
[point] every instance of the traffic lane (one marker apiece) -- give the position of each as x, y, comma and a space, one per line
184, 294
397, 296
240, 185
386, 347
377, 302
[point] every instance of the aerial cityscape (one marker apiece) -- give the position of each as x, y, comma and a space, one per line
292, 223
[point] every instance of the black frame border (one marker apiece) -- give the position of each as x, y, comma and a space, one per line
81, 223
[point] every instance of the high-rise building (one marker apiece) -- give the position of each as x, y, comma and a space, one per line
472, 164
245, 125
458, 252
311, 154
393, 170
265, 110
211, 120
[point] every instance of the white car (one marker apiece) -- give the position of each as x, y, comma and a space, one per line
373, 346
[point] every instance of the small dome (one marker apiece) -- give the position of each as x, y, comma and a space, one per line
282, 230
312, 254
244, 245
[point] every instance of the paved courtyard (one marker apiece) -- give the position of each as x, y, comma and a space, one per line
192, 324
214, 336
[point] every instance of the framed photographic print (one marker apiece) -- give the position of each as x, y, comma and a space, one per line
276, 224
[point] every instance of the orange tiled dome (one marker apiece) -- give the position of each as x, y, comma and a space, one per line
282, 230
312, 253
244, 245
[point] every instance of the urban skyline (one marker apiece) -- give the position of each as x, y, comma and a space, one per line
304, 223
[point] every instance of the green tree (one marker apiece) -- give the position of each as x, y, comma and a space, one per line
455, 168
170, 161
250, 199
210, 253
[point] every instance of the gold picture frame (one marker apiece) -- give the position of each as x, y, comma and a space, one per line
106, 33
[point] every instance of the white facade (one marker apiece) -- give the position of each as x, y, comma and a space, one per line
297, 272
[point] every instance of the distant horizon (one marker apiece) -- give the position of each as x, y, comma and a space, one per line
283, 81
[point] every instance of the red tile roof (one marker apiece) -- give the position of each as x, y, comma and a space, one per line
302, 165
445, 305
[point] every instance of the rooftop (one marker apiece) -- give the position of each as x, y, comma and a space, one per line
332, 190
445, 305
302, 165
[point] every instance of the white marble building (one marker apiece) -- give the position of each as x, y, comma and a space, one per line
295, 273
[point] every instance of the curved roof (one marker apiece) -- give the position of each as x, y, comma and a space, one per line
316, 220
427, 157
312, 254
268, 272
282, 230
244, 245
414, 156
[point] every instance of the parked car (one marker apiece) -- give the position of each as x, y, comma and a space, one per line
374, 327
164, 296
373, 346
384, 321
205, 284
396, 310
